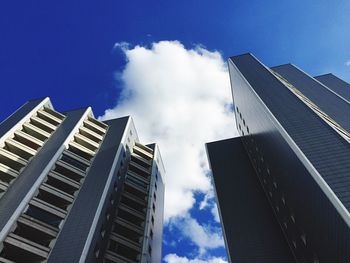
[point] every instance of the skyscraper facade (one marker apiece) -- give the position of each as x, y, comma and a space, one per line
294, 142
75, 189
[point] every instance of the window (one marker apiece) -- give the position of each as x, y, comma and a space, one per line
154, 196
152, 220
149, 250
283, 200
303, 238
275, 184
97, 251
292, 217
154, 207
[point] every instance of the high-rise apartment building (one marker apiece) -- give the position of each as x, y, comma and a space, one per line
283, 186
75, 189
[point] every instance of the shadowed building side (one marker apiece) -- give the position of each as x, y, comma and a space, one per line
336, 84
252, 232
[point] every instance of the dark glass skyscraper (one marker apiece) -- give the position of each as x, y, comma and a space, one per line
283, 186
75, 189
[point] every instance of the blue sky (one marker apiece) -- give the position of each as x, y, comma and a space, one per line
64, 50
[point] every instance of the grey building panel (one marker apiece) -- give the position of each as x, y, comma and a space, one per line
16, 192
157, 241
322, 146
252, 232
325, 99
274, 125
18, 115
73, 236
336, 84
157, 197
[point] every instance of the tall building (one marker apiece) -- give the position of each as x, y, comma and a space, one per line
283, 186
75, 189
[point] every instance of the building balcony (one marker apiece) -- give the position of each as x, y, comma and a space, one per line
63, 183
138, 169
142, 153
19, 249
69, 171
122, 249
141, 161
126, 241
80, 150
12, 161
128, 224
55, 196
7, 174
136, 191
28, 140
49, 117
42, 124
91, 134
89, 124
112, 257
35, 131
19, 149
75, 160
131, 215
86, 142
49, 208
35, 230
135, 205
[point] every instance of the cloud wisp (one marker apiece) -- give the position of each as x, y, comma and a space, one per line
179, 98
173, 258
205, 237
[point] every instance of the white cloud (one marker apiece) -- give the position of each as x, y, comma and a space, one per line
206, 200
209, 202
173, 258
215, 212
347, 63
203, 236
180, 99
